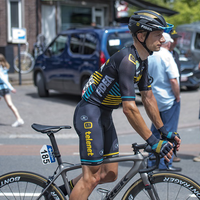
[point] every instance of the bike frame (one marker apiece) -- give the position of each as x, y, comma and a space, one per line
138, 164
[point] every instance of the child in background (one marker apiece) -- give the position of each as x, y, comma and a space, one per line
5, 88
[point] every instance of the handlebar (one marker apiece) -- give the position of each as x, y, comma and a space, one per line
136, 147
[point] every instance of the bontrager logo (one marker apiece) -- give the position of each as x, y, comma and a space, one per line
10, 180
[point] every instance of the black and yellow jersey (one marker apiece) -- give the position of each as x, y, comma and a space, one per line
114, 81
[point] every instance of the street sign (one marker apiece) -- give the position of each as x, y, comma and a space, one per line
18, 35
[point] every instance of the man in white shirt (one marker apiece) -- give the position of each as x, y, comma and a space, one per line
166, 90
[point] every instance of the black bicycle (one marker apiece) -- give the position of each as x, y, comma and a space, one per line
22, 185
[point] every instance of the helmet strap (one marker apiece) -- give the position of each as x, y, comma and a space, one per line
144, 43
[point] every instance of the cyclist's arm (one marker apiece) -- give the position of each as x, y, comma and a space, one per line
151, 107
135, 119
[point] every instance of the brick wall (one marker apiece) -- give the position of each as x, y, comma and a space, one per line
3, 23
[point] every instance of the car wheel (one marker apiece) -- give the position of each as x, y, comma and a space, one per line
192, 87
42, 91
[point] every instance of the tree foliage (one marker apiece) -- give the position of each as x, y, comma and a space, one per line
188, 10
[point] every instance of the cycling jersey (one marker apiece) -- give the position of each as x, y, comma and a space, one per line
114, 81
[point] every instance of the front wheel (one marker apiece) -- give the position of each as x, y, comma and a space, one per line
26, 186
26, 62
40, 82
167, 186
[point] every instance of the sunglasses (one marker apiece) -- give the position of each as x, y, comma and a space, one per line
168, 28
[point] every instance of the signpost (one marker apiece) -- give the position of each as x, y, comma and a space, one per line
19, 37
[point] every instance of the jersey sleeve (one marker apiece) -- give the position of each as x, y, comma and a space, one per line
127, 70
145, 81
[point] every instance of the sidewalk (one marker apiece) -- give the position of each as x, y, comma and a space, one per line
26, 79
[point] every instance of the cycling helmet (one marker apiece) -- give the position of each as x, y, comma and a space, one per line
148, 21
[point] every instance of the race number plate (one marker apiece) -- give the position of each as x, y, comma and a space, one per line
47, 155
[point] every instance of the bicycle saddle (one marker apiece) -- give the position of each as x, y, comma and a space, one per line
47, 128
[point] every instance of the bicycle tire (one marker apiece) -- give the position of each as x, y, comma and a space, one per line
168, 186
27, 185
27, 62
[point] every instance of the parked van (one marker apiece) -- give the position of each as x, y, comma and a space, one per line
189, 43
74, 55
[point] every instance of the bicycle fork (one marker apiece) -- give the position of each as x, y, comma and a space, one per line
149, 187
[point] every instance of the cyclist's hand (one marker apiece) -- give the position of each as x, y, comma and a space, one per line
164, 148
173, 137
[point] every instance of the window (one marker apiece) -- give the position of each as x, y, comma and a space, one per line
83, 43
76, 43
73, 16
117, 41
58, 46
185, 40
197, 41
89, 44
14, 16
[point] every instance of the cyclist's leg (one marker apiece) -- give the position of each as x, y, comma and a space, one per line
88, 124
87, 183
111, 148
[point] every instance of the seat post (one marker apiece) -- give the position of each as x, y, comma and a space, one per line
55, 147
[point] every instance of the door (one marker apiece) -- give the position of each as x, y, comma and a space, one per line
98, 16
55, 62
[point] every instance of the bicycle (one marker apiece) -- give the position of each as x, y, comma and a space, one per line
39, 46
26, 61
163, 185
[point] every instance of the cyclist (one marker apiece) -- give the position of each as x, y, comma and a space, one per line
107, 88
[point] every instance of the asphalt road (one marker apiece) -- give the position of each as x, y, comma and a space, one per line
19, 147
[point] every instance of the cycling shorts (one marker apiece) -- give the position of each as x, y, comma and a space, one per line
97, 134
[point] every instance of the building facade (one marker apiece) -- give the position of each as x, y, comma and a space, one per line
48, 17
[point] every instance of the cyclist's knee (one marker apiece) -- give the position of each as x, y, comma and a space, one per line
92, 176
109, 173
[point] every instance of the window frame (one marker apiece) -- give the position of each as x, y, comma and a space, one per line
20, 15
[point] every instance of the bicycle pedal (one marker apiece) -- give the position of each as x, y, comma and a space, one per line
103, 192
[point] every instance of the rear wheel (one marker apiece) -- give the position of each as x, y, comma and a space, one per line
27, 186
42, 91
167, 186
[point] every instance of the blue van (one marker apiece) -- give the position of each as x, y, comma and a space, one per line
70, 59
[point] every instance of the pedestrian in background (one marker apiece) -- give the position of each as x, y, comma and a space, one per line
5, 88
197, 158
174, 35
165, 86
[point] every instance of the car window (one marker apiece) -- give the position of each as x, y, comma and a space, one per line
83, 43
197, 41
58, 46
117, 41
76, 43
90, 44
185, 40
